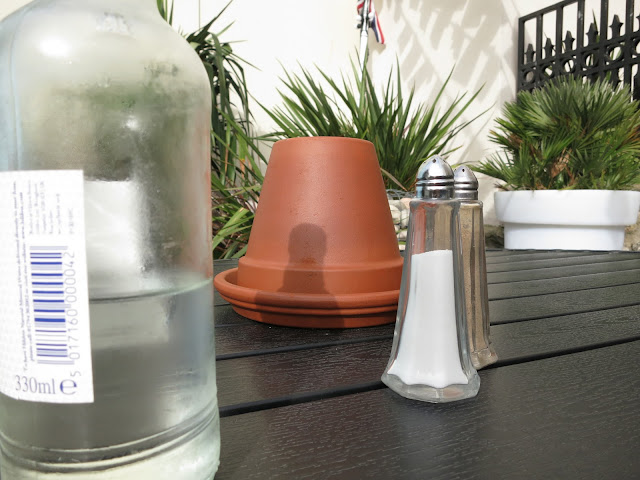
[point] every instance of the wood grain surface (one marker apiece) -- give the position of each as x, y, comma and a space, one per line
561, 402
562, 417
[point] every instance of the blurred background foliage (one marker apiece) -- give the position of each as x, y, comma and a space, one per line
236, 177
405, 132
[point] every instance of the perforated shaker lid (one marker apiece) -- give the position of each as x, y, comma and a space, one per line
465, 183
435, 179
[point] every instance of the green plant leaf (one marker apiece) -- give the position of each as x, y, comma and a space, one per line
572, 133
403, 131
236, 160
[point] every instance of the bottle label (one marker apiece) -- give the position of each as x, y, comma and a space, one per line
45, 343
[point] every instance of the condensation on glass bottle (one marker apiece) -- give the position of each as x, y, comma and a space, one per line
106, 325
475, 267
429, 358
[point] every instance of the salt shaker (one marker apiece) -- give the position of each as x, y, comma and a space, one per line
430, 359
474, 266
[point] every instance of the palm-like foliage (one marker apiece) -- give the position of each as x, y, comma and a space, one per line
165, 7
570, 134
236, 178
403, 131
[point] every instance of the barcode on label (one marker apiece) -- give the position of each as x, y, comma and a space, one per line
49, 307
45, 330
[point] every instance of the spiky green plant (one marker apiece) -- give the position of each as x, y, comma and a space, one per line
403, 131
165, 7
236, 177
570, 134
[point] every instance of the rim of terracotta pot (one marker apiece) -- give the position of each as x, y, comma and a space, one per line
307, 309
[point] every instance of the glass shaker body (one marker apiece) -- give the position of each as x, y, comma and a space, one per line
475, 267
107, 88
475, 283
429, 358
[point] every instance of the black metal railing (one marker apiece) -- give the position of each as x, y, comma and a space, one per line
605, 51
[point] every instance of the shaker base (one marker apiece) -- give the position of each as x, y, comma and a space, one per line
426, 393
484, 357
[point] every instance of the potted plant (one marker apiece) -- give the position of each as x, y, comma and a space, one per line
569, 157
404, 132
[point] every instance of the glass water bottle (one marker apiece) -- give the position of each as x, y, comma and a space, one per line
106, 322
475, 268
429, 357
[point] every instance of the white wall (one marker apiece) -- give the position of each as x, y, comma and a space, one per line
428, 37
8, 6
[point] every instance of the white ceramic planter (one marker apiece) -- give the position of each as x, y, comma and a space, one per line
566, 219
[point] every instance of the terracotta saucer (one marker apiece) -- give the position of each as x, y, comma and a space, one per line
308, 310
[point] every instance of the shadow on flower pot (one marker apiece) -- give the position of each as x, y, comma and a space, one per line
305, 270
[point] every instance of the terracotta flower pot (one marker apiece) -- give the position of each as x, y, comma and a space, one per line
322, 251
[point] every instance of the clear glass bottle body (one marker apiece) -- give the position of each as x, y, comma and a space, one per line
475, 284
107, 87
429, 358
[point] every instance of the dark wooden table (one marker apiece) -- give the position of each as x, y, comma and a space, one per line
563, 401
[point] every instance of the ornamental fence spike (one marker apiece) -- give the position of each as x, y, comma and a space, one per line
530, 53
568, 41
592, 34
616, 26
548, 48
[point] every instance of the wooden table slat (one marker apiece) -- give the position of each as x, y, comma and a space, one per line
632, 263
566, 303
520, 257
552, 263
589, 281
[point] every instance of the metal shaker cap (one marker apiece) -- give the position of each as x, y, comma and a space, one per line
435, 179
465, 183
